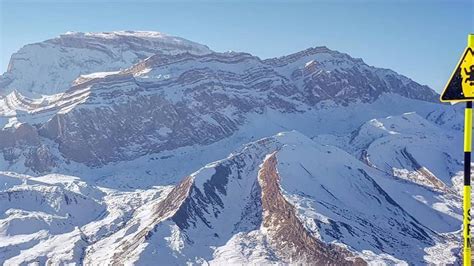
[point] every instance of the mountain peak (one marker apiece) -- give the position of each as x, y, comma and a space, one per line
318, 53
51, 66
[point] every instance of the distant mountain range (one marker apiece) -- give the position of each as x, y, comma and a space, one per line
138, 147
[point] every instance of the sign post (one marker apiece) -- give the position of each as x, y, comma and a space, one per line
467, 184
460, 88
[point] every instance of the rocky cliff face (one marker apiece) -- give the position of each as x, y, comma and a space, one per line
326, 74
196, 97
286, 232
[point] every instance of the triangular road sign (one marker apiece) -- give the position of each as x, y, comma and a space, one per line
460, 86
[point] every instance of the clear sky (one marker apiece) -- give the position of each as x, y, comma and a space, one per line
420, 39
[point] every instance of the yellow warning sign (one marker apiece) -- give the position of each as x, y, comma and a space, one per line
460, 86
467, 73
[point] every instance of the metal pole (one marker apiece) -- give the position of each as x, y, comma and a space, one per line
467, 184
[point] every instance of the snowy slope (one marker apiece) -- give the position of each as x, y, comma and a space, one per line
406, 146
216, 203
336, 198
55, 217
335, 209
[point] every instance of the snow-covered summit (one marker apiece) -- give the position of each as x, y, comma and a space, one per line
50, 66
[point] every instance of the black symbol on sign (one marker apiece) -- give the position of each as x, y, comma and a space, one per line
470, 74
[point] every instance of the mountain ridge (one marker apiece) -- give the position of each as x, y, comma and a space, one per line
185, 85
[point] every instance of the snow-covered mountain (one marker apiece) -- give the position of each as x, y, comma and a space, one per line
167, 102
121, 154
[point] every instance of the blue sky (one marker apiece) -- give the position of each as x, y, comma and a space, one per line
420, 39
